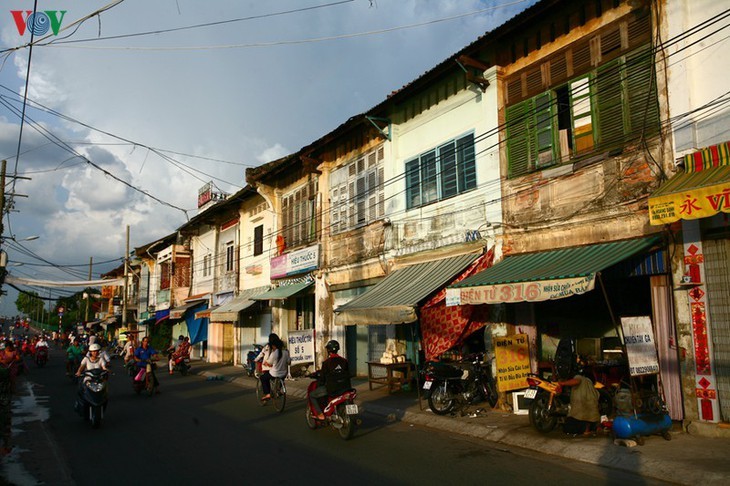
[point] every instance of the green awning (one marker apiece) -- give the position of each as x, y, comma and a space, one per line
394, 299
283, 291
228, 312
546, 275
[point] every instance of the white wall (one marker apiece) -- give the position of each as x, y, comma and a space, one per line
469, 111
698, 74
201, 246
254, 214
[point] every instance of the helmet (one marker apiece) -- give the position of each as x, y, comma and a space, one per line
180, 337
332, 346
94, 347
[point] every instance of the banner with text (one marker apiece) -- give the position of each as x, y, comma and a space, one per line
533, 291
640, 346
301, 346
512, 355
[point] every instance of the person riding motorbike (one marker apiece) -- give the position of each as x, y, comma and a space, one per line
333, 378
182, 351
92, 361
143, 355
128, 351
73, 356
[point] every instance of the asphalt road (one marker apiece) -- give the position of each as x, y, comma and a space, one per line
212, 432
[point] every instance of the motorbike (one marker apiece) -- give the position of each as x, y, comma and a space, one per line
180, 364
341, 411
145, 380
41, 356
250, 357
93, 396
449, 387
548, 408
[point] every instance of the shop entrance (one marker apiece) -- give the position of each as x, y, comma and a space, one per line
717, 274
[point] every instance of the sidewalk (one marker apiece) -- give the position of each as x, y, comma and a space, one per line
686, 459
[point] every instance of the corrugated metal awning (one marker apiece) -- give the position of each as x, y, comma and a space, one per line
691, 195
179, 311
546, 275
283, 291
394, 300
228, 312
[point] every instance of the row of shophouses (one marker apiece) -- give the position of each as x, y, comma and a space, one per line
565, 170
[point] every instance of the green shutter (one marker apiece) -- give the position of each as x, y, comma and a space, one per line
642, 106
608, 100
521, 138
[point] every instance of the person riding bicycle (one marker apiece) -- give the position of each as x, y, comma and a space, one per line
73, 356
277, 361
144, 355
332, 378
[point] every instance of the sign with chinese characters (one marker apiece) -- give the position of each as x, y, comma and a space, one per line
640, 345
512, 356
693, 203
533, 291
296, 262
301, 346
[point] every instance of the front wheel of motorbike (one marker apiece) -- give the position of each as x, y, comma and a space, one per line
309, 416
540, 416
149, 385
184, 369
441, 401
348, 424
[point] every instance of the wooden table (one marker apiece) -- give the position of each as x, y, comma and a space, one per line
391, 381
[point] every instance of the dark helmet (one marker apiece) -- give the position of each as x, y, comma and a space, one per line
180, 337
332, 346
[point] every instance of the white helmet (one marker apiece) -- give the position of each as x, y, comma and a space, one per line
94, 347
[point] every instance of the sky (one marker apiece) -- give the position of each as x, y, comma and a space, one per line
164, 96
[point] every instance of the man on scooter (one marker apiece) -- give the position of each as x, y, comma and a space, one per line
334, 377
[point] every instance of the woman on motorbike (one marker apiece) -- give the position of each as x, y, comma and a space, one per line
73, 356
93, 361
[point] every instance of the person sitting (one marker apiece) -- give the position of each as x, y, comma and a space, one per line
332, 379
182, 352
93, 361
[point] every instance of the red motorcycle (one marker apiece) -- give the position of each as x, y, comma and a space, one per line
341, 412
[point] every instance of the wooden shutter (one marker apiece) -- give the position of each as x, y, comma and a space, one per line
447, 162
643, 110
521, 143
608, 102
465, 155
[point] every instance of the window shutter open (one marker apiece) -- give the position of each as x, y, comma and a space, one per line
608, 97
642, 105
521, 143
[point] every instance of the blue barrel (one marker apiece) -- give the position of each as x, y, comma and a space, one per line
641, 425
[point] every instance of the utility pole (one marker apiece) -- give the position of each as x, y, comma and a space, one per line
3, 166
126, 279
88, 295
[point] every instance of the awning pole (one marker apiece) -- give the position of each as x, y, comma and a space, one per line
616, 326
415, 366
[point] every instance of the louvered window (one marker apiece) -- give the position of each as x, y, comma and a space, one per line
441, 173
356, 192
601, 111
299, 215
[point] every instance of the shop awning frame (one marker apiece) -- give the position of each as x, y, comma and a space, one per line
395, 299
283, 291
179, 311
547, 275
229, 311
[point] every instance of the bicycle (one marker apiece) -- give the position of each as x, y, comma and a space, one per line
278, 392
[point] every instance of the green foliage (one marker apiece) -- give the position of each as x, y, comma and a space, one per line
29, 303
160, 336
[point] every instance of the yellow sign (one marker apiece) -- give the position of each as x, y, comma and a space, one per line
690, 204
512, 355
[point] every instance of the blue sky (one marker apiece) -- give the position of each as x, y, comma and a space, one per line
216, 99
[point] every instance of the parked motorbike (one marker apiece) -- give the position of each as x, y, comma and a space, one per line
93, 396
41, 356
250, 357
145, 380
548, 408
341, 411
450, 387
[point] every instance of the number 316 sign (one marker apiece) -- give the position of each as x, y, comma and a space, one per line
512, 355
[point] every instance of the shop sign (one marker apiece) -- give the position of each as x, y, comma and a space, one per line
512, 356
691, 204
640, 346
296, 262
534, 291
301, 346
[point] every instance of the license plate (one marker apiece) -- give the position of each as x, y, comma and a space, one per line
530, 393
427, 385
351, 409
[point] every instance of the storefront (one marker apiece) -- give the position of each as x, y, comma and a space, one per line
699, 197
185, 321
236, 325
582, 293
390, 312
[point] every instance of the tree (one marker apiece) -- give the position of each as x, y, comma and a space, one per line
29, 303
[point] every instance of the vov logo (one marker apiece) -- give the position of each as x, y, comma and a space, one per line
38, 23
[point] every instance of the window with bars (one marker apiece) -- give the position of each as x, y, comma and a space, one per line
207, 264
601, 111
441, 173
299, 215
357, 195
